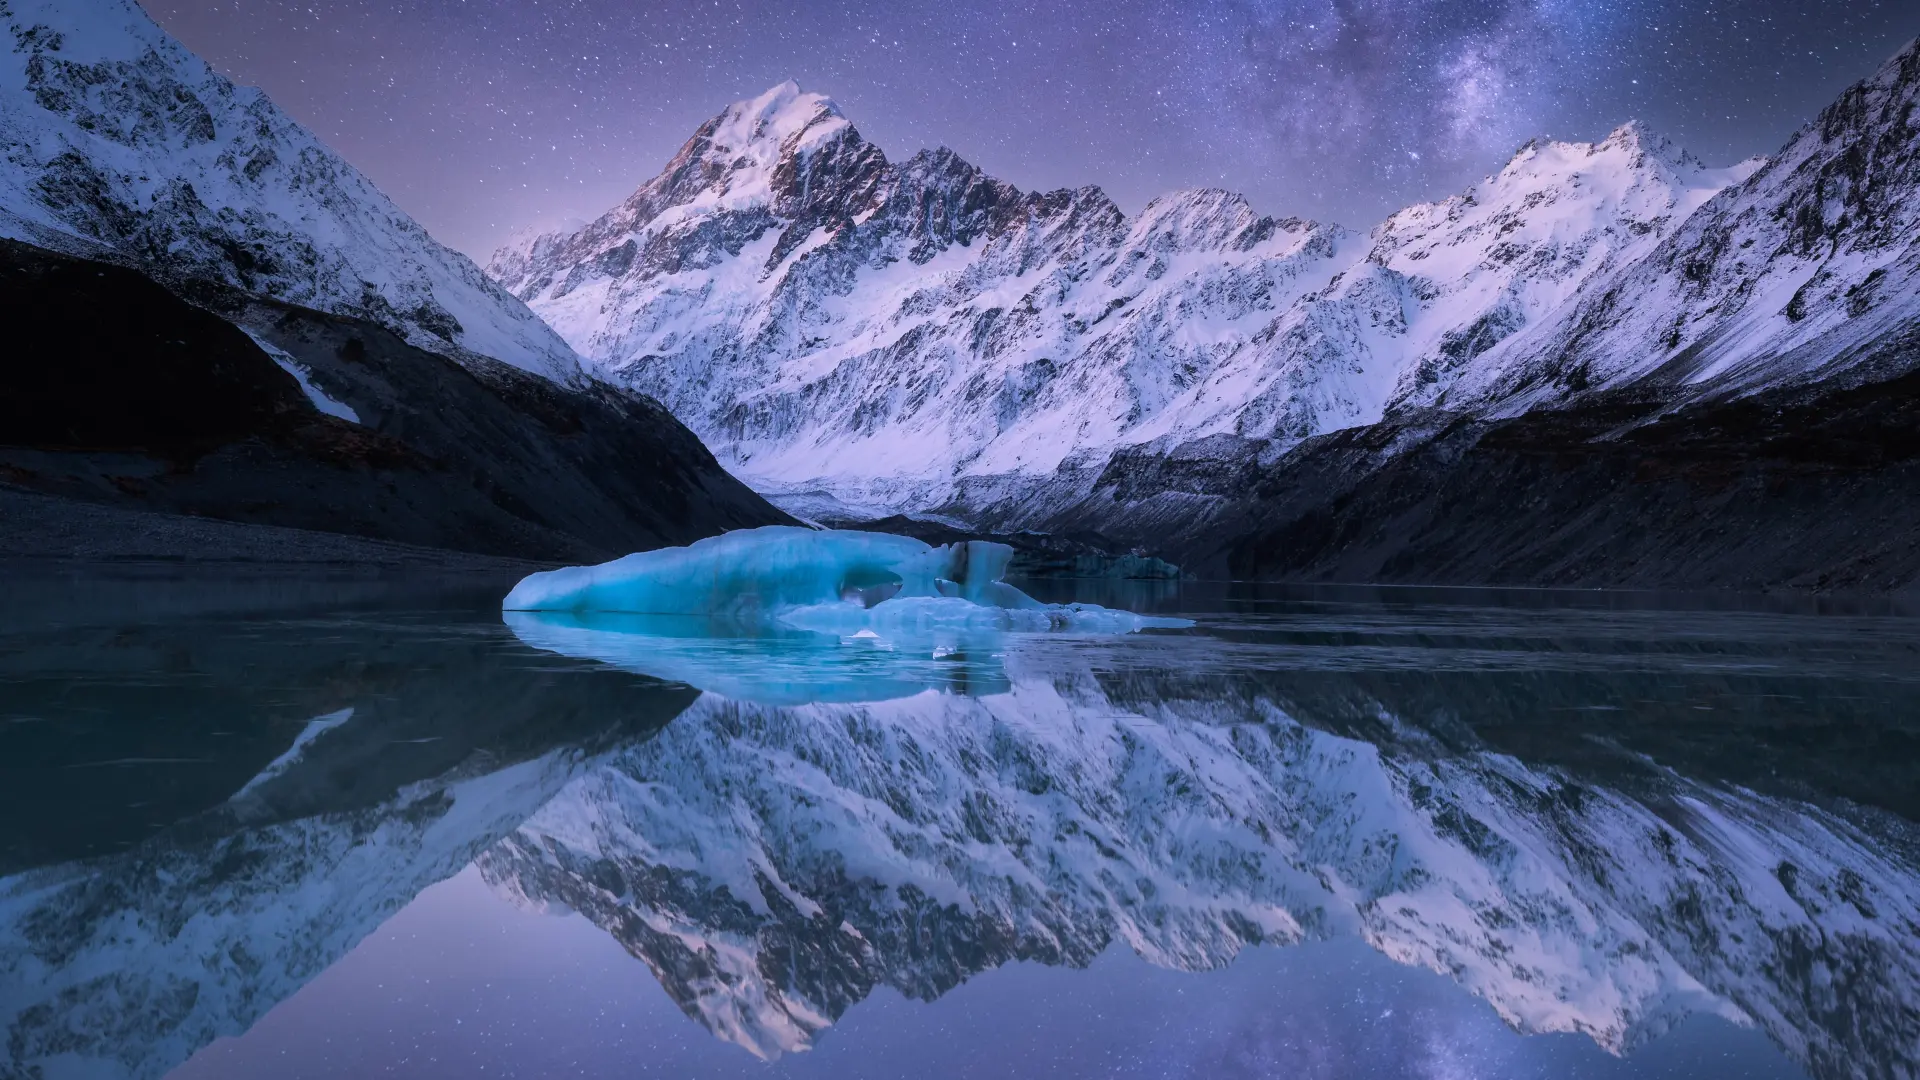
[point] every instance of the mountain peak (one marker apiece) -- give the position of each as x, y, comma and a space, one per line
1902, 68
1190, 209
1633, 132
1636, 137
1541, 159
1884, 102
782, 113
941, 160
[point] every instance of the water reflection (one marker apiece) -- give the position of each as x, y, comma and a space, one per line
773, 866
771, 664
1597, 824
201, 817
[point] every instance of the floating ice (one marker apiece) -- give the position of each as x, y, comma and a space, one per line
785, 615
835, 582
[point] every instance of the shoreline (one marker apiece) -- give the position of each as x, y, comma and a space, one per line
51, 533
51, 537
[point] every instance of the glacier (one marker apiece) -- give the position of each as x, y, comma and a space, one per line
829, 581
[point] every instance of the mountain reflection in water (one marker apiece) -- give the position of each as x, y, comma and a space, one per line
1599, 823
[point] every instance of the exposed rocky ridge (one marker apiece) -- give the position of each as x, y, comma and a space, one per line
775, 865
119, 142
118, 391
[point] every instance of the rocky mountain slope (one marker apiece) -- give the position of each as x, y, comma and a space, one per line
326, 423
1799, 486
120, 142
212, 313
895, 334
1800, 274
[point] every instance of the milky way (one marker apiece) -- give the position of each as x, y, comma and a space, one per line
482, 116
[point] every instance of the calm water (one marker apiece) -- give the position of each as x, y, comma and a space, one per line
312, 828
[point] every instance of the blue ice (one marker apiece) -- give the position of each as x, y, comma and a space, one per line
786, 615
829, 581
774, 665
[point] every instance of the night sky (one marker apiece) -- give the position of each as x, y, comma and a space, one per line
481, 117
459, 984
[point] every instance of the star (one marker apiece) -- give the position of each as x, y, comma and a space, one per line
483, 117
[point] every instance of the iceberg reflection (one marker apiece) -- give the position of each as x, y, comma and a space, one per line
773, 664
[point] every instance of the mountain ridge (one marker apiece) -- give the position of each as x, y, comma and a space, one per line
925, 318
121, 142
212, 313
952, 348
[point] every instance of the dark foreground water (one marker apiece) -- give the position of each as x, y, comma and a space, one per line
309, 828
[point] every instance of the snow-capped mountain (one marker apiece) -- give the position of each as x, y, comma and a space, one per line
1793, 275
122, 144
774, 865
1730, 408
892, 333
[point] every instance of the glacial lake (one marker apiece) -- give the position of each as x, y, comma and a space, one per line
319, 827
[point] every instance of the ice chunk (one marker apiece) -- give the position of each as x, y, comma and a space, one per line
838, 582
785, 615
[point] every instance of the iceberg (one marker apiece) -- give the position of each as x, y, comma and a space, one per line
828, 581
785, 615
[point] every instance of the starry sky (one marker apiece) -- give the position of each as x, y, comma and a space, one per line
484, 117
460, 984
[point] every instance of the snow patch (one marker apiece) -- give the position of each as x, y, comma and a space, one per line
304, 377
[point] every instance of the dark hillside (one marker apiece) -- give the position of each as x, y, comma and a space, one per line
116, 390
